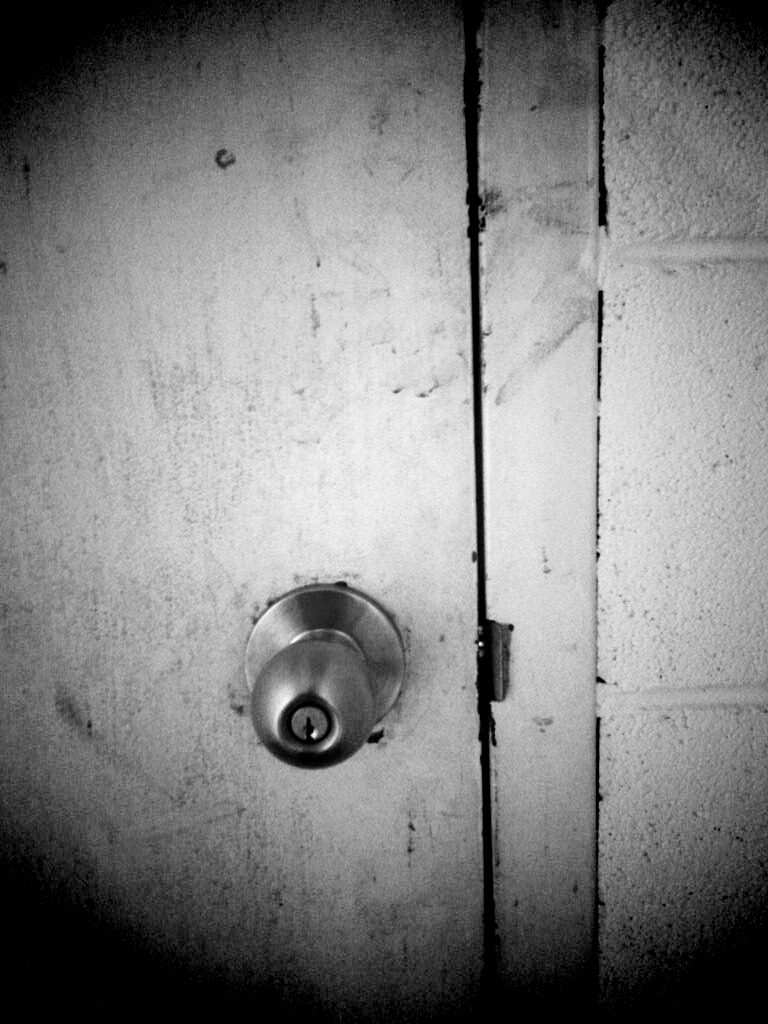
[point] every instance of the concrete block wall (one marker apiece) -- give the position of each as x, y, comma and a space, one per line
683, 502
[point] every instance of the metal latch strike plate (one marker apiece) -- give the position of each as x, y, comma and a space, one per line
494, 641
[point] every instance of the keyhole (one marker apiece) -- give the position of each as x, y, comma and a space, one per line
310, 724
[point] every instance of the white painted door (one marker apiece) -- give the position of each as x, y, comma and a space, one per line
236, 358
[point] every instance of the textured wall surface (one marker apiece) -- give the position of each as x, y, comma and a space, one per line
683, 502
684, 478
686, 115
684, 835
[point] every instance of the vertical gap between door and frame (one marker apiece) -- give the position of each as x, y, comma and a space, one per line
473, 18
602, 226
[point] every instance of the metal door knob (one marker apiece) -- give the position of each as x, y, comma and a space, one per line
324, 664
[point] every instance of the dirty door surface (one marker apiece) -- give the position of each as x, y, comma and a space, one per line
235, 360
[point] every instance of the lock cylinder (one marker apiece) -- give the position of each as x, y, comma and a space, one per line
324, 664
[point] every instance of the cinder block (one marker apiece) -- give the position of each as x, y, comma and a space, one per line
686, 121
683, 841
683, 498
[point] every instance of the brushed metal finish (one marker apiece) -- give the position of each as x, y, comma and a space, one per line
324, 664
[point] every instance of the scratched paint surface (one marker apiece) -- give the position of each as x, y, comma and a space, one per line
235, 360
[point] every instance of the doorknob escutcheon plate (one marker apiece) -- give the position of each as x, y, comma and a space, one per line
324, 664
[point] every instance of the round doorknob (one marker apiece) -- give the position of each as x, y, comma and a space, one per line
324, 664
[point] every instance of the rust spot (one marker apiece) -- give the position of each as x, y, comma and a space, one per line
376, 736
